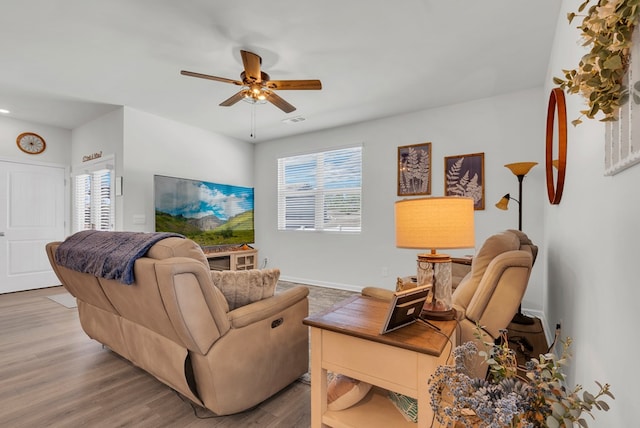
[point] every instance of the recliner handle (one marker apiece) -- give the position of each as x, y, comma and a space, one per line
277, 323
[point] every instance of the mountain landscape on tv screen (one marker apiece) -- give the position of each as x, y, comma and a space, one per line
211, 214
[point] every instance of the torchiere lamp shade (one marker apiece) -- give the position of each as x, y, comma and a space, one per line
435, 223
521, 168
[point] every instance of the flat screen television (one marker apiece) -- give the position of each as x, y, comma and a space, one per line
211, 214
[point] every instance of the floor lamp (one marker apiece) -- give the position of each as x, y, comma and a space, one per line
519, 169
435, 223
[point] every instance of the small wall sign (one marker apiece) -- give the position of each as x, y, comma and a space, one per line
93, 156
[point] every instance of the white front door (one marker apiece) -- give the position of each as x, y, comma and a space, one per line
31, 214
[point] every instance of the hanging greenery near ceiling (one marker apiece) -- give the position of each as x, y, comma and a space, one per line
607, 28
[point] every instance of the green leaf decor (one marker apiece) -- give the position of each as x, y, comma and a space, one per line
607, 27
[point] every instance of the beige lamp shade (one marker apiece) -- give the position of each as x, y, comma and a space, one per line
437, 222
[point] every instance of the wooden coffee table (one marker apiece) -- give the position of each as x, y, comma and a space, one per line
346, 339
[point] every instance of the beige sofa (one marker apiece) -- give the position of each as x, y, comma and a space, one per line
224, 353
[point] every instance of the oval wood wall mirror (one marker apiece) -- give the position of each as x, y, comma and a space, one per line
556, 149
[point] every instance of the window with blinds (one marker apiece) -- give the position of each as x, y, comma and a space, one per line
321, 191
93, 208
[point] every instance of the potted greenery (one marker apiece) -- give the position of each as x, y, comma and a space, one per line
607, 28
535, 397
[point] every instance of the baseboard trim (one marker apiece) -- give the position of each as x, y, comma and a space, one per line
549, 333
337, 285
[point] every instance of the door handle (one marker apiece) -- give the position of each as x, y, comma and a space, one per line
1, 233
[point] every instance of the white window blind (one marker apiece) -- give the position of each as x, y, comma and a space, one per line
93, 208
321, 191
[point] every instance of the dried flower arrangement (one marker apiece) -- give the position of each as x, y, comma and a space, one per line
505, 398
607, 28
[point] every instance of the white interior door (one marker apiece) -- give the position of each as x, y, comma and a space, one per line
32, 214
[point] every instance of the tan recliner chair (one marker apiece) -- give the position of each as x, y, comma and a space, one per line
225, 340
490, 294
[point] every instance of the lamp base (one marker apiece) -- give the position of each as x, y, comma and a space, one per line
438, 315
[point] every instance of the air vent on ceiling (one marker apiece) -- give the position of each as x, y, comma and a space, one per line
294, 119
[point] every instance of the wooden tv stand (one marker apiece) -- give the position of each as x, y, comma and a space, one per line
233, 259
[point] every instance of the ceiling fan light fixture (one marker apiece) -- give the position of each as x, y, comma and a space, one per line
256, 85
254, 96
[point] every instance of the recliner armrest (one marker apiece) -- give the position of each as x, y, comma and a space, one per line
377, 293
266, 308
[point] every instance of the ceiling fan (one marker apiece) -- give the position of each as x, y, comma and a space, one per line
256, 84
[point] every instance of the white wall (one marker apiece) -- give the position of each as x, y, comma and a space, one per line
591, 263
507, 129
104, 136
155, 145
58, 141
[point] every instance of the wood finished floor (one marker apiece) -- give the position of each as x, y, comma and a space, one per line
53, 375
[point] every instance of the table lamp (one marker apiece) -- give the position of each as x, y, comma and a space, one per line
435, 223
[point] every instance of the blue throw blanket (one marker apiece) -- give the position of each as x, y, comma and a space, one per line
108, 255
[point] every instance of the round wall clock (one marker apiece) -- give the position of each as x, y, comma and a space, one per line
31, 143
556, 151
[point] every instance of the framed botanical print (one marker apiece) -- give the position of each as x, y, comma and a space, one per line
464, 176
414, 170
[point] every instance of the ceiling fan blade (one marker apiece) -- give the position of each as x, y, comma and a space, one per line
233, 99
279, 102
294, 84
206, 76
251, 63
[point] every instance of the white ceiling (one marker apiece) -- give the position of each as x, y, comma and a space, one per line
65, 62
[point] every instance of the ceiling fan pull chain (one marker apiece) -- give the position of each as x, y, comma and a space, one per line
253, 121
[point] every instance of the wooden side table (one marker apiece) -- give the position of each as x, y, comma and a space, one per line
346, 339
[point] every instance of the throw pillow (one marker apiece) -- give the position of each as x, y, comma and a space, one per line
406, 405
343, 392
241, 287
